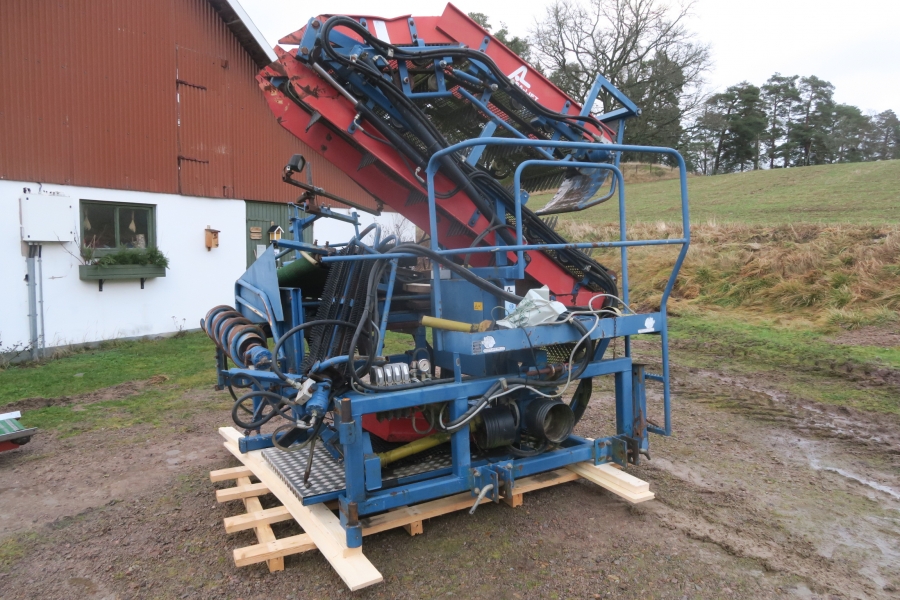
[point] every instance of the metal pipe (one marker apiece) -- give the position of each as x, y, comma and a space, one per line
413, 447
32, 301
448, 325
484, 492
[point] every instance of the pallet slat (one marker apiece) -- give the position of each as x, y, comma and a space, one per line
254, 519
324, 532
618, 482
229, 474
258, 553
317, 521
240, 492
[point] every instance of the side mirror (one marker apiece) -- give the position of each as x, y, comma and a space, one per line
296, 164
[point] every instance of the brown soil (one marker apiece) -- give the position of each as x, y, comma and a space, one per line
759, 495
871, 335
123, 390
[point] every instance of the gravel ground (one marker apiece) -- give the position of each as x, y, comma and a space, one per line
758, 496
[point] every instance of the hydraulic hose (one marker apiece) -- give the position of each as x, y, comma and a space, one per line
293, 331
276, 410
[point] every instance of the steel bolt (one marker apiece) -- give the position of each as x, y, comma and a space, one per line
304, 50
406, 80
316, 24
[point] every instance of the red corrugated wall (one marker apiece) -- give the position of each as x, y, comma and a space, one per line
156, 96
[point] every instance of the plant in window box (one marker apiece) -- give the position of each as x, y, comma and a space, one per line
124, 263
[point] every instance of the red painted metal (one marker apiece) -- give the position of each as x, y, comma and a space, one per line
390, 180
101, 106
396, 430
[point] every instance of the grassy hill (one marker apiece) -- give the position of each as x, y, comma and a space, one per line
845, 193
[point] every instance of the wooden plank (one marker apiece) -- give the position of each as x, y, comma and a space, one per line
264, 533
317, 521
442, 506
229, 474
419, 512
253, 519
240, 492
514, 501
414, 528
276, 549
544, 480
618, 482
617, 477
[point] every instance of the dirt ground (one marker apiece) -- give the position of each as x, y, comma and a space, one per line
758, 495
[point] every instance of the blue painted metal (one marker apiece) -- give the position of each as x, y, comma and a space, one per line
518, 351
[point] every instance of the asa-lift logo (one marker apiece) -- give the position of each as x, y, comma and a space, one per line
518, 77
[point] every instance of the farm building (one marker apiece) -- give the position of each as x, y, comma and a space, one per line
137, 125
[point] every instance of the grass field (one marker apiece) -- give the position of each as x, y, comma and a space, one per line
759, 277
844, 193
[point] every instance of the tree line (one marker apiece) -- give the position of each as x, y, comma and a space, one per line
789, 121
645, 48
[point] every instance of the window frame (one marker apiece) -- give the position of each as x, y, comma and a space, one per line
151, 221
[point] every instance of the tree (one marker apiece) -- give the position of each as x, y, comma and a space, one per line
660, 84
741, 122
885, 141
641, 46
779, 94
520, 46
807, 137
849, 134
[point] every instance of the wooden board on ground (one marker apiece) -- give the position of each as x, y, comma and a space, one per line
323, 530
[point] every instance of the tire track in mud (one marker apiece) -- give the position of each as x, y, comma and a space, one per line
822, 524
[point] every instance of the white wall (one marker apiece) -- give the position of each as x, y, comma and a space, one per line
337, 232
76, 312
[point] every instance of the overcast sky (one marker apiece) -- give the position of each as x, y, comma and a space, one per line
855, 45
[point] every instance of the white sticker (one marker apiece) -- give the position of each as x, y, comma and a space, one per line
509, 306
381, 31
649, 322
489, 344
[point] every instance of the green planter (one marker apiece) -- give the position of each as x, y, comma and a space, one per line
103, 273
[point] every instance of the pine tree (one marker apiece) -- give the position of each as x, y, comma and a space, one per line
779, 95
812, 115
742, 122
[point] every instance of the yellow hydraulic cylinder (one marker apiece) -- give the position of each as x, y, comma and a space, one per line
413, 447
448, 325
421, 445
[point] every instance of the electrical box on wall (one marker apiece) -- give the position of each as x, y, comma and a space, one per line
47, 218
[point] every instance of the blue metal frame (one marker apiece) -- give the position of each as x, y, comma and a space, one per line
364, 494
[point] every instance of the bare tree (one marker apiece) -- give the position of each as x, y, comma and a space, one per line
643, 47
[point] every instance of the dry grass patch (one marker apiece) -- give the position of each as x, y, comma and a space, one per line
845, 275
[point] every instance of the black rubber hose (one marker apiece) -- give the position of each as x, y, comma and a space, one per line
257, 424
293, 331
519, 453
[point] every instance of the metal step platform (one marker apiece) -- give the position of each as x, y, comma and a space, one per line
326, 479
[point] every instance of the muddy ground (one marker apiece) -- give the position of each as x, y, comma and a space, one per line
758, 495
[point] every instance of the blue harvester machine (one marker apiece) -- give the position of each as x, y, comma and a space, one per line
508, 322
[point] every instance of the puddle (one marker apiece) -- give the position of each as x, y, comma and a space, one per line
818, 466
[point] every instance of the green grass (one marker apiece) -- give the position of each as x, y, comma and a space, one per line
116, 363
799, 359
188, 363
844, 193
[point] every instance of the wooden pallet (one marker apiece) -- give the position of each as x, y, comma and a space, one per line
322, 528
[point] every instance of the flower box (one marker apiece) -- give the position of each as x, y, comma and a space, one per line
103, 273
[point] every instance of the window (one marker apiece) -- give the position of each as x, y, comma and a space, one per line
111, 225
